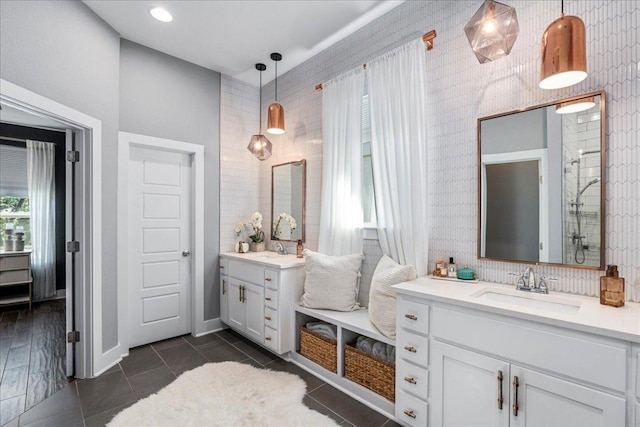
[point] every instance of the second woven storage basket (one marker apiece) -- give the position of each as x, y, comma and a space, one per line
373, 373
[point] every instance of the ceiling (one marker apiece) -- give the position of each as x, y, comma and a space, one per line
232, 36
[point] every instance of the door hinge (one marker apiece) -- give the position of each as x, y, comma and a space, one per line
73, 246
73, 336
540, 179
73, 156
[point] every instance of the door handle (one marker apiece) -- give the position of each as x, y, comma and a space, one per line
224, 289
500, 397
516, 384
186, 253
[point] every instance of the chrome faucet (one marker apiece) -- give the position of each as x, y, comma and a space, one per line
527, 282
282, 250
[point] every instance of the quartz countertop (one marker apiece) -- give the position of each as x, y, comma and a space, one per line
268, 258
592, 317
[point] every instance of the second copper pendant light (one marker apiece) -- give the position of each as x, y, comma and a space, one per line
275, 118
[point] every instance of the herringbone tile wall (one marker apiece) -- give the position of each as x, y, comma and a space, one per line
460, 91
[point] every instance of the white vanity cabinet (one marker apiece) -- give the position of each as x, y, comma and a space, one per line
257, 293
490, 365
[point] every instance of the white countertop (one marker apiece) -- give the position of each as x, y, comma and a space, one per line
621, 323
268, 258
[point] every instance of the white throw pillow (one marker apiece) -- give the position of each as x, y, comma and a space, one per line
331, 282
382, 298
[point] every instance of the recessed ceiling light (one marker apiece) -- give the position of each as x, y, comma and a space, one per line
161, 14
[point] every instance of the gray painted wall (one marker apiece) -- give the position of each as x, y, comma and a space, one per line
166, 97
62, 50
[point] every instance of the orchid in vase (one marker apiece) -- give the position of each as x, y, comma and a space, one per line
254, 226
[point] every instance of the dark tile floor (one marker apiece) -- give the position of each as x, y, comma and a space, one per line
147, 369
32, 356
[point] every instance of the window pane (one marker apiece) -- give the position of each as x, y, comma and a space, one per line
15, 211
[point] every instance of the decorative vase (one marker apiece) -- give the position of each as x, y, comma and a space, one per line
257, 246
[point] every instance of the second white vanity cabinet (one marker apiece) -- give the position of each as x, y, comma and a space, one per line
257, 293
496, 365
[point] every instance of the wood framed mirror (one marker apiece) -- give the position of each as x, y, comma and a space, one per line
288, 188
541, 192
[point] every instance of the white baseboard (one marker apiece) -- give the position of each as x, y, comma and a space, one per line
210, 326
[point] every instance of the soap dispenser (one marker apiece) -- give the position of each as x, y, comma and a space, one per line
612, 288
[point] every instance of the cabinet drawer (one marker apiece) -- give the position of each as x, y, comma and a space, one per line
411, 410
246, 271
271, 318
270, 278
414, 348
14, 276
413, 316
536, 345
14, 262
271, 338
413, 379
271, 298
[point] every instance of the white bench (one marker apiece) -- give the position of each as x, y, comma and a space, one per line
349, 326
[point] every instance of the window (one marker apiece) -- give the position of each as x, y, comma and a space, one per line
14, 193
368, 194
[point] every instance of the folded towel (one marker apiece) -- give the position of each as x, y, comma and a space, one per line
380, 350
323, 329
391, 353
365, 344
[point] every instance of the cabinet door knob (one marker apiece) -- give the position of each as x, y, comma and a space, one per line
410, 380
411, 316
409, 413
410, 348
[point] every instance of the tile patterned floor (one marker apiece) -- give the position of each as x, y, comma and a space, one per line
89, 403
32, 356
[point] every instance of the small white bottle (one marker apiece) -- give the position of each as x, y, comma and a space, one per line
453, 270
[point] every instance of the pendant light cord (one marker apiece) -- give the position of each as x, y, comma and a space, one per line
562, 7
276, 81
260, 123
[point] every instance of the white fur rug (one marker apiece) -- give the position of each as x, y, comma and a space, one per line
226, 394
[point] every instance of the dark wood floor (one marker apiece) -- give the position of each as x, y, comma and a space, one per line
32, 356
149, 368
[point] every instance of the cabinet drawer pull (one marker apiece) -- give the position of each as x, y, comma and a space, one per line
411, 316
267, 317
267, 298
267, 338
516, 384
222, 266
410, 348
500, 397
267, 279
410, 380
409, 413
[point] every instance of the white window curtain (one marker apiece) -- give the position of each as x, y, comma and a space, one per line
396, 85
341, 197
40, 174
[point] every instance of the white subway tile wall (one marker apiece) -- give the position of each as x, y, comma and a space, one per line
460, 90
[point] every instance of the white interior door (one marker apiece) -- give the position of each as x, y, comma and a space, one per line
69, 236
159, 245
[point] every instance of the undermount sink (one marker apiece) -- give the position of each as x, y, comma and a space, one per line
550, 303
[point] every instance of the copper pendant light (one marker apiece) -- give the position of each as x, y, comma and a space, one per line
275, 118
564, 53
259, 145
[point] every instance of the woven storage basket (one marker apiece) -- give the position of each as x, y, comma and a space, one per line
370, 372
319, 349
